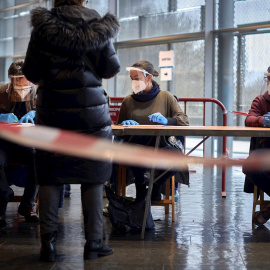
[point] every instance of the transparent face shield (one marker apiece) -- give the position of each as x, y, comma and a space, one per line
267, 79
135, 81
265, 86
20, 89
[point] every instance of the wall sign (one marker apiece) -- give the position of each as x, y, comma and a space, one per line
166, 59
166, 74
166, 64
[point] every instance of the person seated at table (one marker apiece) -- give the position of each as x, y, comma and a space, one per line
148, 105
17, 105
259, 116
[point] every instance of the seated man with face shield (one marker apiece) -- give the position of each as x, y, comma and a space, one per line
148, 105
17, 105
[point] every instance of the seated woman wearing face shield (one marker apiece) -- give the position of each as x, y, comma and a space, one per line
148, 105
17, 104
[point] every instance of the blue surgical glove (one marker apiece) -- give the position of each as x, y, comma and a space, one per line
129, 122
159, 118
28, 117
9, 118
266, 120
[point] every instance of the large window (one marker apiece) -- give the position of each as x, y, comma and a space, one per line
130, 56
250, 48
220, 46
145, 19
101, 6
253, 65
188, 74
15, 28
14, 32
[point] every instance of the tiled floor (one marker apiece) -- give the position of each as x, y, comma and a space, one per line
210, 232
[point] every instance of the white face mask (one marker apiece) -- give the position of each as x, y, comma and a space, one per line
22, 91
138, 86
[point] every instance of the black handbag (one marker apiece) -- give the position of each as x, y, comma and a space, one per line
127, 215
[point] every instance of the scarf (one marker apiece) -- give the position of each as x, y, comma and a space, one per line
143, 97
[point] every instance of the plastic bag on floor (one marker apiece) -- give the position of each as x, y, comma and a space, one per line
127, 215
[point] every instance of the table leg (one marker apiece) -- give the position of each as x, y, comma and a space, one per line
149, 192
223, 188
224, 148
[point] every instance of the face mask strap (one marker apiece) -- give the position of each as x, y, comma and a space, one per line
17, 76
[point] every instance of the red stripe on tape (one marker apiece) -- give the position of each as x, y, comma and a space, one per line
14, 128
75, 139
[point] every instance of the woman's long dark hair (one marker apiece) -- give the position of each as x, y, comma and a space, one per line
58, 3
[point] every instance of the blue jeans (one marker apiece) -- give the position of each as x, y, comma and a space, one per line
139, 172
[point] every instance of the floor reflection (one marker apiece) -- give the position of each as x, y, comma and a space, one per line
210, 232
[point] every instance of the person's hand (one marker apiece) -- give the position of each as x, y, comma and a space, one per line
266, 120
129, 122
159, 118
9, 118
28, 117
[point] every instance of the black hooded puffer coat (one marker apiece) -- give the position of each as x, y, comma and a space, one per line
70, 93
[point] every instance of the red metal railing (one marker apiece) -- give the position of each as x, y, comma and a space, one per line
115, 104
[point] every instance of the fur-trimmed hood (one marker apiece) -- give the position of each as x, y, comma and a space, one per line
75, 29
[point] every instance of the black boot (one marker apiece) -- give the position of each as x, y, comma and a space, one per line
48, 248
67, 190
28, 213
5, 197
2, 223
156, 194
95, 248
140, 190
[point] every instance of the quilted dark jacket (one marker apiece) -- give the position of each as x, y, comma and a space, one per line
70, 93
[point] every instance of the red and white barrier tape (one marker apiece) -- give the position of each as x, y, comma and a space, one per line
241, 113
86, 146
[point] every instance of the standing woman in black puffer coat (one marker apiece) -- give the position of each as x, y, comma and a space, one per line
69, 53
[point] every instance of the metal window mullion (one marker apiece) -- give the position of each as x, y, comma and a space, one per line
172, 5
240, 78
209, 69
243, 28
160, 40
21, 6
113, 6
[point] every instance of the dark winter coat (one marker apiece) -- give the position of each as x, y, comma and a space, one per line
260, 106
70, 92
